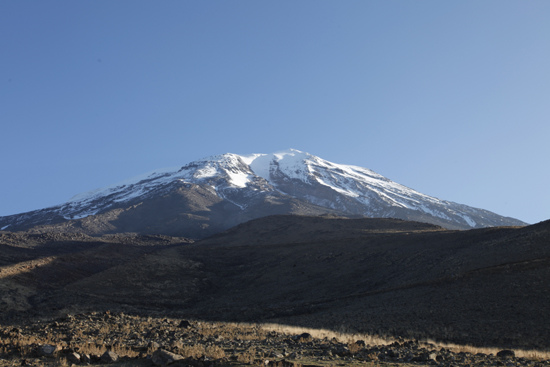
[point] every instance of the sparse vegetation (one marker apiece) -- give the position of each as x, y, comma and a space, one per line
135, 340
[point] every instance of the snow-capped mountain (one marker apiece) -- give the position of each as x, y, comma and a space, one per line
214, 193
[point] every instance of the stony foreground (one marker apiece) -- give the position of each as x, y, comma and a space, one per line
124, 340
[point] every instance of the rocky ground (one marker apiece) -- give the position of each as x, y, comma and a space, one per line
101, 338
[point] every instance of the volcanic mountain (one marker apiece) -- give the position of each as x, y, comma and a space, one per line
213, 194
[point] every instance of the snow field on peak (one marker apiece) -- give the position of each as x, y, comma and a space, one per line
139, 185
259, 164
360, 183
238, 179
368, 188
354, 182
351, 181
291, 162
206, 172
230, 164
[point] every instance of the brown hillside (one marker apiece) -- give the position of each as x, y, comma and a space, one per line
389, 277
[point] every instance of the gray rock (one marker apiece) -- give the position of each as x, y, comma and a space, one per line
303, 338
74, 357
109, 357
393, 354
506, 353
184, 324
153, 345
48, 350
86, 359
425, 357
163, 357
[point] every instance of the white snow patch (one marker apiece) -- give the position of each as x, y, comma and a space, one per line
427, 210
248, 159
434, 213
238, 179
291, 162
79, 216
342, 190
468, 220
206, 172
260, 164
130, 195
1, 229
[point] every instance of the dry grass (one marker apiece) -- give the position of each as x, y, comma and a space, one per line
341, 336
199, 351
351, 338
236, 331
128, 336
248, 356
520, 353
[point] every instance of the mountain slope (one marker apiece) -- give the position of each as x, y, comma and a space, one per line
213, 194
486, 286
360, 191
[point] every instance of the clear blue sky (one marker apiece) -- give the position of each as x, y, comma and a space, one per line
451, 98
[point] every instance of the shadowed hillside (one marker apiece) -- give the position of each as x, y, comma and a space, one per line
382, 276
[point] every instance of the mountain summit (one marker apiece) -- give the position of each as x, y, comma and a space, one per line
215, 193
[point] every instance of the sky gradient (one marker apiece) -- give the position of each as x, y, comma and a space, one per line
450, 98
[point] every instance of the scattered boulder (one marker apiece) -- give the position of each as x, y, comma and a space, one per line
109, 357
152, 346
48, 350
184, 324
506, 353
74, 357
432, 357
86, 359
425, 357
393, 354
304, 338
163, 357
